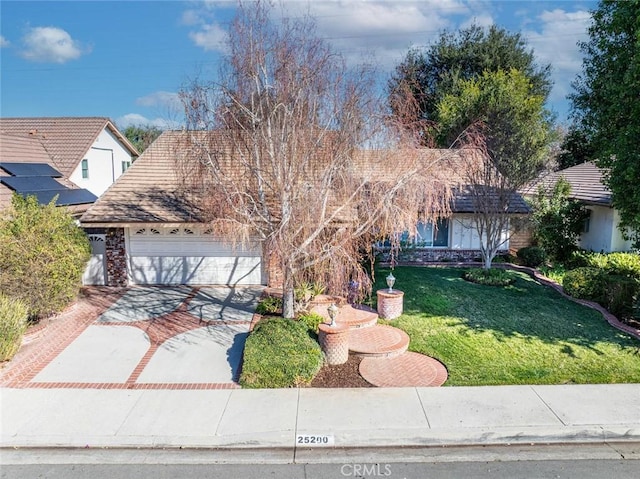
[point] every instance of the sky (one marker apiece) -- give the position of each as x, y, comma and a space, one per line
127, 60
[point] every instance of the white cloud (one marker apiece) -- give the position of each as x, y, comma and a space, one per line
3, 42
556, 43
50, 45
210, 37
135, 119
357, 28
161, 99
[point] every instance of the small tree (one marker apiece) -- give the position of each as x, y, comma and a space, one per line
558, 219
281, 160
43, 254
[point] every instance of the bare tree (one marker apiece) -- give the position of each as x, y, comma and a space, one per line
295, 151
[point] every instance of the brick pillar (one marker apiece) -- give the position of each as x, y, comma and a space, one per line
116, 254
390, 304
334, 341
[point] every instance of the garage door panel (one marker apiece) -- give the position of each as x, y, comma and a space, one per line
196, 270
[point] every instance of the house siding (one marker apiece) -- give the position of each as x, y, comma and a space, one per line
104, 160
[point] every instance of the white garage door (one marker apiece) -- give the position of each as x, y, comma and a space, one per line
190, 256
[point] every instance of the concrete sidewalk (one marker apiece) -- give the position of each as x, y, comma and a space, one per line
280, 419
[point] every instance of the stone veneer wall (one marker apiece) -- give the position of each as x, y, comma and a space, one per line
434, 255
115, 251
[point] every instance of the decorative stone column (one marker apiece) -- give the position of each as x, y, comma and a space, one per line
390, 304
116, 254
334, 341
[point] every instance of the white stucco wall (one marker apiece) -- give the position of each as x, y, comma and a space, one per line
604, 234
105, 159
464, 235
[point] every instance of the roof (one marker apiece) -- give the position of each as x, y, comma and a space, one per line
586, 180
66, 139
26, 167
151, 191
463, 202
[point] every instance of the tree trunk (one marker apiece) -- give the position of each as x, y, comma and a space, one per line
288, 298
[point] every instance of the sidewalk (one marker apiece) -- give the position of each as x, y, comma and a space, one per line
240, 419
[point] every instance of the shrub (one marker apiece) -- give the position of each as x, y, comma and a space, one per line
269, 305
585, 283
13, 324
43, 254
312, 321
626, 264
489, 277
532, 256
620, 294
280, 353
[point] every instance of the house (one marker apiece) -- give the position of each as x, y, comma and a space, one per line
157, 233
601, 232
78, 158
88, 151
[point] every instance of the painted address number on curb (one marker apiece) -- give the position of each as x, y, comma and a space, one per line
314, 440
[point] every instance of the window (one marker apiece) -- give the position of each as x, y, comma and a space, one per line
430, 235
587, 222
85, 168
125, 166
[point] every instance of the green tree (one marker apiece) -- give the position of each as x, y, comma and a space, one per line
141, 136
515, 131
576, 148
558, 220
43, 254
425, 76
606, 102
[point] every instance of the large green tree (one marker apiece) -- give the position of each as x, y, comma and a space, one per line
141, 136
504, 110
606, 102
425, 76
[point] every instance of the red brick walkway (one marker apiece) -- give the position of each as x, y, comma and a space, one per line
406, 370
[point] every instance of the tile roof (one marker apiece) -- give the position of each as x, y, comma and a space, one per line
22, 149
66, 139
586, 181
151, 191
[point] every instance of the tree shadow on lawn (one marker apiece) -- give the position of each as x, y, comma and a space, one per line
525, 309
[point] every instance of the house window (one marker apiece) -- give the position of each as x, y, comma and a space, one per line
85, 168
430, 235
125, 166
587, 222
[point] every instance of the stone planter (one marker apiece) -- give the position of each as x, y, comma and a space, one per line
390, 304
334, 342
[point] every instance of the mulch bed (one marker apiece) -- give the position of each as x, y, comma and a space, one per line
341, 376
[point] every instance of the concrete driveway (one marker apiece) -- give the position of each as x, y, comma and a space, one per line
155, 337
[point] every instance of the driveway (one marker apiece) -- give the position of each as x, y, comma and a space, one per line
148, 337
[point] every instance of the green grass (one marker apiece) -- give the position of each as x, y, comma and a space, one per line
524, 333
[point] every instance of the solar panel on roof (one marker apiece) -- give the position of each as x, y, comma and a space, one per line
65, 197
30, 169
31, 183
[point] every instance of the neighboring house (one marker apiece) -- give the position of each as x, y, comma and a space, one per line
88, 151
601, 232
27, 169
157, 234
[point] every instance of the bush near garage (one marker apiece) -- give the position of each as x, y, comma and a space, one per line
280, 353
13, 324
43, 254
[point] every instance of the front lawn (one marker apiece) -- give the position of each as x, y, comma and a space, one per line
524, 333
